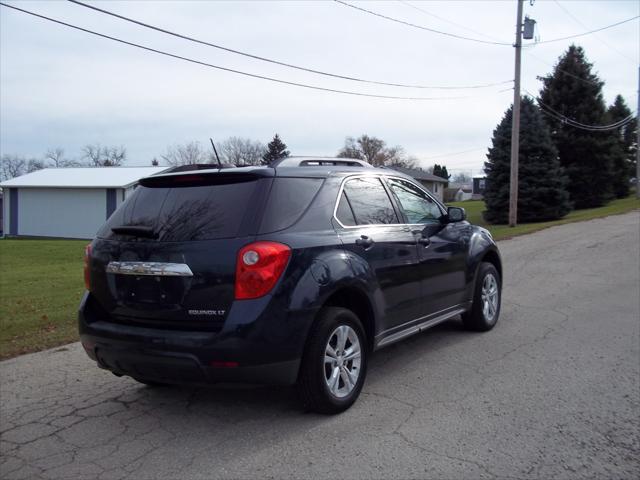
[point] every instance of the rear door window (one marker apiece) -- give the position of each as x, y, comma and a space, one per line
369, 201
180, 214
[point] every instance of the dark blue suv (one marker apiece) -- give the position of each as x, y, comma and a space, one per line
292, 273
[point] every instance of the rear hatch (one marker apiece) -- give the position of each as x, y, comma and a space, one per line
166, 258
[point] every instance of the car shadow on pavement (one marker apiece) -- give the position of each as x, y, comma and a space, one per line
246, 401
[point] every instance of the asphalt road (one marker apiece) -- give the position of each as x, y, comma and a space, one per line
552, 392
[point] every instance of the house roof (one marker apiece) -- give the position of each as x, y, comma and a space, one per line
85, 177
420, 175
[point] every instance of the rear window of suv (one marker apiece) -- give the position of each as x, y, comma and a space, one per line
186, 213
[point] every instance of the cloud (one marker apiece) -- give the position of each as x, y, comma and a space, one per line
66, 88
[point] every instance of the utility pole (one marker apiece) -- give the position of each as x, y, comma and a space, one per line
515, 125
638, 140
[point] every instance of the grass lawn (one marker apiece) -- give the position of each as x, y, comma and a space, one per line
474, 210
40, 289
41, 281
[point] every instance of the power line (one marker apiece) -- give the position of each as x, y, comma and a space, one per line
577, 20
453, 154
574, 123
239, 72
451, 22
564, 121
413, 25
589, 32
284, 64
557, 69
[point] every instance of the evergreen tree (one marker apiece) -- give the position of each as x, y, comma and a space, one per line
625, 147
276, 149
542, 193
573, 91
441, 171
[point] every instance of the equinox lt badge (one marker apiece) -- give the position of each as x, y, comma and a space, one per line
207, 312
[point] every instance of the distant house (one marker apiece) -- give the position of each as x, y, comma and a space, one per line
67, 202
479, 187
433, 183
457, 193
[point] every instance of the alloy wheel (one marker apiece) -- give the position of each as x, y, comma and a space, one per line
489, 297
342, 360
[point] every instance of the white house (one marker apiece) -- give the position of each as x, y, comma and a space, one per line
67, 202
433, 183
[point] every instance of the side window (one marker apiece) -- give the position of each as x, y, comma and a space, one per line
417, 206
344, 212
288, 200
369, 202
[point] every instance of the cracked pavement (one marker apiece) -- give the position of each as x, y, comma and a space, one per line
552, 392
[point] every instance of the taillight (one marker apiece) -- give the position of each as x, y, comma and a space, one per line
258, 267
87, 269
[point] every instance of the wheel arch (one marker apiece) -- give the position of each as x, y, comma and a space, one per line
354, 299
492, 257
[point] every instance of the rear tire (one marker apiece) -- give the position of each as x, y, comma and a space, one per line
334, 364
487, 297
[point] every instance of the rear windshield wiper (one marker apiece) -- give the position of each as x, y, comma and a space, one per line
135, 230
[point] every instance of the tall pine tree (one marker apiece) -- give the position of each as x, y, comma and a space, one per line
276, 149
625, 147
573, 91
542, 193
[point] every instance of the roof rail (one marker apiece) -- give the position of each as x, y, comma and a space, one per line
319, 162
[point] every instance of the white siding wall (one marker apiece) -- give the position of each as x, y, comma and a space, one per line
62, 212
436, 188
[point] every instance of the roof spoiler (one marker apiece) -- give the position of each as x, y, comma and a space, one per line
197, 166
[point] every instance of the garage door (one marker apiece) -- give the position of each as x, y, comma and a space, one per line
61, 212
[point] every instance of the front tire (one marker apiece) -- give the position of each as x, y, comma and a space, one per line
334, 364
487, 297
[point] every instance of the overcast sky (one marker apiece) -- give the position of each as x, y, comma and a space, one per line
61, 87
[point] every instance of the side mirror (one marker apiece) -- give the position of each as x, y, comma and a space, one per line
456, 214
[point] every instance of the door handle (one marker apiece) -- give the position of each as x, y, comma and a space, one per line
364, 242
425, 241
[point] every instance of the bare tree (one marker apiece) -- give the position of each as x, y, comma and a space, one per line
372, 150
34, 164
242, 151
55, 156
93, 154
189, 153
398, 159
461, 177
99, 156
114, 156
12, 166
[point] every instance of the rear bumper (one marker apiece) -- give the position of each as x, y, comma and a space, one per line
266, 350
180, 368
